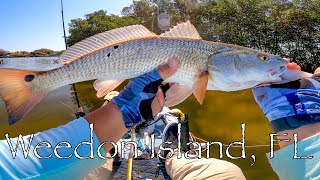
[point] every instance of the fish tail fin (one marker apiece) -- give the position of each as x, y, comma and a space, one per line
17, 92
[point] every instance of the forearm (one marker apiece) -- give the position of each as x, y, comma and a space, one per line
303, 132
108, 124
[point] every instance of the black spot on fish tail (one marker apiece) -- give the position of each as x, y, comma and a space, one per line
108, 55
116, 47
29, 78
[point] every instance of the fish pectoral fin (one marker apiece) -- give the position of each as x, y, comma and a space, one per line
103, 87
183, 30
176, 94
200, 87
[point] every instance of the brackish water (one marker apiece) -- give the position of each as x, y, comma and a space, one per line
219, 119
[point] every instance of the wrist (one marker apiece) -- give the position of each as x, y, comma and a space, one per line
135, 100
130, 114
303, 132
294, 122
108, 124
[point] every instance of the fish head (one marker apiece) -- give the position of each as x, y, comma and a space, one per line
244, 68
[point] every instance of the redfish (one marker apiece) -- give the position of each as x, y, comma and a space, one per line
116, 55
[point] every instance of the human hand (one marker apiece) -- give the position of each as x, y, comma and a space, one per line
295, 66
293, 104
142, 98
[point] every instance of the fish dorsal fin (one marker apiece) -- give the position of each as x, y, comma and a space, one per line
183, 30
102, 40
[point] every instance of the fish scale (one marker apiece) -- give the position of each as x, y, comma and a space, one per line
156, 51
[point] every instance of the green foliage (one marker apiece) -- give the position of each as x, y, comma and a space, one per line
42, 52
299, 26
286, 28
95, 23
289, 28
37, 53
3, 53
56, 53
20, 54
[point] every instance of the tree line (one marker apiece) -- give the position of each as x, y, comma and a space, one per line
289, 28
43, 52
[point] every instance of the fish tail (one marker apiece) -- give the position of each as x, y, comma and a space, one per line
17, 92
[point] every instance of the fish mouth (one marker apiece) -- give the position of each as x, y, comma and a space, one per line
277, 71
274, 72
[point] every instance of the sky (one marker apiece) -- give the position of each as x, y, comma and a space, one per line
34, 24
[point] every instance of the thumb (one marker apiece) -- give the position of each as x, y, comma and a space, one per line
294, 66
168, 69
317, 70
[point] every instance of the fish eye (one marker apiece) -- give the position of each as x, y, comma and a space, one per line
264, 57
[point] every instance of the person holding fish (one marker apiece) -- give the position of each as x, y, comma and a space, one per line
134, 51
294, 108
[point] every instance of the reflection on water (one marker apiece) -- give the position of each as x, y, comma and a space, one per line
30, 63
219, 119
